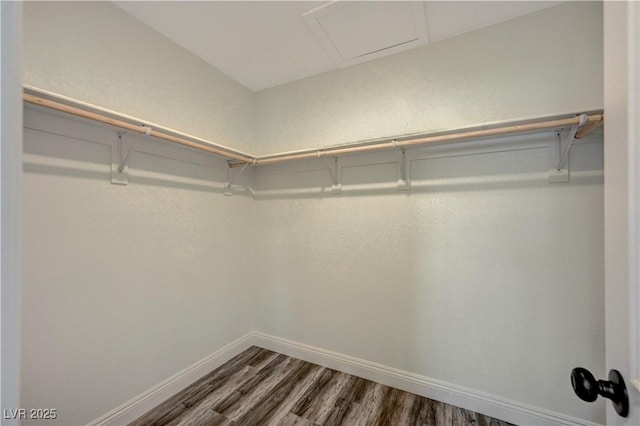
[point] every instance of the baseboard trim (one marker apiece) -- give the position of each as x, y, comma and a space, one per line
470, 399
137, 406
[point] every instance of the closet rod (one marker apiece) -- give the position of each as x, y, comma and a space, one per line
592, 122
36, 100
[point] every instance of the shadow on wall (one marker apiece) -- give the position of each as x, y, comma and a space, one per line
87, 155
499, 164
509, 162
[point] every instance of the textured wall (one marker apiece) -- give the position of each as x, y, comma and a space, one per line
124, 286
545, 63
549, 62
97, 53
483, 275
481, 263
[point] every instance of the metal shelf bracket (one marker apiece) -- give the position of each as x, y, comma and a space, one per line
403, 180
232, 178
557, 175
564, 152
335, 173
120, 161
560, 173
119, 175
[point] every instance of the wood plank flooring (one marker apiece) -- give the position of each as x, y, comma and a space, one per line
261, 387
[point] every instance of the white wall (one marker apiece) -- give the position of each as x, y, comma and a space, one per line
545, 63
483, 275
549, 62
10, 178
124, 286
97, 53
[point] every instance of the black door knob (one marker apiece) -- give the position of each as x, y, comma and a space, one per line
588, 388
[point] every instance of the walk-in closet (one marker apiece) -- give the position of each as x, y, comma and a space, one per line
320, 213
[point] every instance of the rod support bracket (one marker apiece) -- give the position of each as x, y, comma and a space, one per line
232, 178
119, 173
335, 173
403, 176
564, 150
559, 156
120, 161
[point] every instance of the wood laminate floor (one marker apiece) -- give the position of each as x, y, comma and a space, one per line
261, 387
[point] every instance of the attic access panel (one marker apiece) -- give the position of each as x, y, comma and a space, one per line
355, 32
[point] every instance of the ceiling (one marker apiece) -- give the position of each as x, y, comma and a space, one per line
262, 44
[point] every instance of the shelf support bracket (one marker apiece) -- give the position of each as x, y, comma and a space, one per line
561, 171
564, 153
120, 161
557, 175
119, 172
334, 172
232, 178
403, 180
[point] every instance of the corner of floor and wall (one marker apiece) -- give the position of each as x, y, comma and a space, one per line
480, 286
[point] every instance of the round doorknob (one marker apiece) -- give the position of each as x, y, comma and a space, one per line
584, 384
588, 388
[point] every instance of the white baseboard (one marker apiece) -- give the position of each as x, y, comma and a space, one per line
470, 399
139, 405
